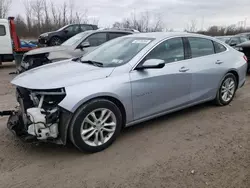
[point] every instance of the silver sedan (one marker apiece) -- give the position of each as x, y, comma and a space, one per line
125, 81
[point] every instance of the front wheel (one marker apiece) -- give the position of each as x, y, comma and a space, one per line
55, 41
95, 125
227, 90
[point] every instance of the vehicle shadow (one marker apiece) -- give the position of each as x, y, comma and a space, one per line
70, 150
167, 118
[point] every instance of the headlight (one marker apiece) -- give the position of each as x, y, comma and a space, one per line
45, 35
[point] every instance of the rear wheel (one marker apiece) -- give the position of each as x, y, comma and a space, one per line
55, 41
227, 90
96, 125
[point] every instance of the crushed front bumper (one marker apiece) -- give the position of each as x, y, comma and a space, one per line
16, 126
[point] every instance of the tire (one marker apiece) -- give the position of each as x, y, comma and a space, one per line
223, 101
81, 123
55, 41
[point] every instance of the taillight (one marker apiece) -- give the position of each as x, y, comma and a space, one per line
245, 57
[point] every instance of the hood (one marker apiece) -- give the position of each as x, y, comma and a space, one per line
60, 74
47, 50
51, 32
244, 44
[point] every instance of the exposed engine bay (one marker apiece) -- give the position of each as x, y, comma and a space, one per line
38, 116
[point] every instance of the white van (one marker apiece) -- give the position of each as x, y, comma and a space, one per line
6, 49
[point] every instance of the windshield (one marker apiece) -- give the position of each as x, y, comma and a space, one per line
75, 39
117, 51
62, 28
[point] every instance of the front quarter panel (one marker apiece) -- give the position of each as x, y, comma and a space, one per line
117, 86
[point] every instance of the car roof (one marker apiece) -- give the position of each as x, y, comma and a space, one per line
110, 31
162, 35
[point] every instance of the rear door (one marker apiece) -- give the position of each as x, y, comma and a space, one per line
206, 67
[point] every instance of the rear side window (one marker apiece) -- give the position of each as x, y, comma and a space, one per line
200, 47
2, 30
115, 35
219, 47
86, 27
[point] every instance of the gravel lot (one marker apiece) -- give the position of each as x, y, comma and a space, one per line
203, 146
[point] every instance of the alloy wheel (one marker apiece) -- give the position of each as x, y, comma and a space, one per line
98, 127
228, 89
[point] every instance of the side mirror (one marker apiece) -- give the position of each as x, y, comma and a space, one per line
152, 64
66, 31
84, 45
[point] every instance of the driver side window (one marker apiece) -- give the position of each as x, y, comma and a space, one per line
171, 50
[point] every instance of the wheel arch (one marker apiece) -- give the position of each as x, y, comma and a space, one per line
235, 73
232, 71
54, 36
115, 100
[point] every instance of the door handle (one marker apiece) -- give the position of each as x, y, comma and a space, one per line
218, 62
183, 69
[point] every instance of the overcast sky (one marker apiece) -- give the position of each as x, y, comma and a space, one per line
175, 14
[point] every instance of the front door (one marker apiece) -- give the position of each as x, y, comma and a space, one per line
157, 90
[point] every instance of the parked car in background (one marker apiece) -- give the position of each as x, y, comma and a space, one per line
235, 40
245, 48
56, 38
247, 35
125, 81
232, 40
223, 38
76, 46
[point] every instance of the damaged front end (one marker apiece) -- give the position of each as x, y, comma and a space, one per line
38, 117
33, 61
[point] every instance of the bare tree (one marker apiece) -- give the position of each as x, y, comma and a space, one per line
191, 27
28, 12
38, 10
47, 21
64, 13
144, 22
4, 7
